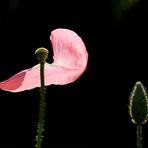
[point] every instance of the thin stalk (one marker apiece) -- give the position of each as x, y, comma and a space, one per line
139, 136
42, 107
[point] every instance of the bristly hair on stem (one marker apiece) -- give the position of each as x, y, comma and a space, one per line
139, 135
42, 54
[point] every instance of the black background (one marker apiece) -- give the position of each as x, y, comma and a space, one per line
92, 111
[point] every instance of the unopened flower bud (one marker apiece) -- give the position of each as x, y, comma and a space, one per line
138, 104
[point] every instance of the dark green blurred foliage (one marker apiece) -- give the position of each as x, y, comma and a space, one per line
138, 105
14, 4
121, 6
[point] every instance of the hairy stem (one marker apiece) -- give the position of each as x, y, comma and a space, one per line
42, 108
139, 136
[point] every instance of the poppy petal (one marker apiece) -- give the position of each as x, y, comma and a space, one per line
70, 61
69, 49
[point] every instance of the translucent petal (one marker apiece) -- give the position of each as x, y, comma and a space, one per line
70, 61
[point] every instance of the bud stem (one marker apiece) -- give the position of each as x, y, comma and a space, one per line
139, 136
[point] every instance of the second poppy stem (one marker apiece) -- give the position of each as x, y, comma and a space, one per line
139, 136
42, 108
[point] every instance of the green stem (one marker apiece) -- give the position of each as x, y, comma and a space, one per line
139, 136
42, 108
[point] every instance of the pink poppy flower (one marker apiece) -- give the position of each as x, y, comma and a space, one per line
70, 61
